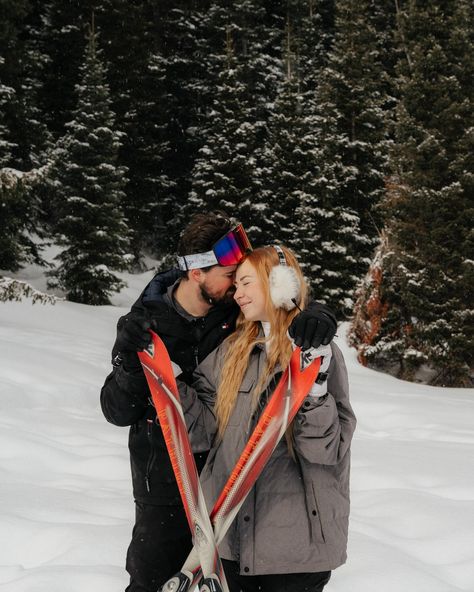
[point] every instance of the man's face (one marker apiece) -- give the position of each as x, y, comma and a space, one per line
217, 284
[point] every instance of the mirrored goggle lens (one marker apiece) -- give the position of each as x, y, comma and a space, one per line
231, 248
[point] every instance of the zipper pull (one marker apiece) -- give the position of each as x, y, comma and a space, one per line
196, 355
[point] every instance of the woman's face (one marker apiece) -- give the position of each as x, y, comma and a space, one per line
249, 293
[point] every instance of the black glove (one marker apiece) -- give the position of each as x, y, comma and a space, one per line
313, 327
132, 336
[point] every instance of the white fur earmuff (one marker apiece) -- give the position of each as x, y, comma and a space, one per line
284, 286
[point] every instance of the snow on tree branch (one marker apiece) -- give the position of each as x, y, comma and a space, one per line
11, 289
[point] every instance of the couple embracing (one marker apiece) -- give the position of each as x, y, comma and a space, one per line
230, 319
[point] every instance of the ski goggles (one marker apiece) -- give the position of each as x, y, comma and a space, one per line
228, 250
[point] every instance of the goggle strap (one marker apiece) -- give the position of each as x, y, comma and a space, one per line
197, 261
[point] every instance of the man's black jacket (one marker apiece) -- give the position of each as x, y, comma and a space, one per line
125, 397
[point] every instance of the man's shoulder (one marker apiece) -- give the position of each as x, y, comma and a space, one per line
153, 294
156, 289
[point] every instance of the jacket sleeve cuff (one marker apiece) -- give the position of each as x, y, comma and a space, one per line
312, 401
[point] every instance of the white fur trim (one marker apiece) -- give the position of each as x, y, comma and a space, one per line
284, 285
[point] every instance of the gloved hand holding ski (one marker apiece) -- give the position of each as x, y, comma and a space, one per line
133, 335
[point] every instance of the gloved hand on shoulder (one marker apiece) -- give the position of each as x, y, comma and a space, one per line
132, 336
314, 326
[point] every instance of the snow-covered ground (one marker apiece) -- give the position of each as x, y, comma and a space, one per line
66, 510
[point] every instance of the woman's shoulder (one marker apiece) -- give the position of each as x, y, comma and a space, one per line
336, 351
338, 380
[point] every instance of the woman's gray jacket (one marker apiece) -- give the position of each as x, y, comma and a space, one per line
295, 519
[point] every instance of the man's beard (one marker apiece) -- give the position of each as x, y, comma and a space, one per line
224, 300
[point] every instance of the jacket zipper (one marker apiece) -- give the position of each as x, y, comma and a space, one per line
196, 355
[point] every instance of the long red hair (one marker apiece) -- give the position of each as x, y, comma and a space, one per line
248, 333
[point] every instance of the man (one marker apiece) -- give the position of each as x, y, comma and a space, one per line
193, 311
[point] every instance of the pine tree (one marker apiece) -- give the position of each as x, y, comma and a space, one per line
27, 118
17, 222
18, 211
178, 78
244, 62
13, 14
352, 159
223, 175
380, 327
288, 155
60, 35
186, 52
330, 240
151, 196
258, 39
427, 271
312, 28
141, 106
18, 205
89, 188
6, 145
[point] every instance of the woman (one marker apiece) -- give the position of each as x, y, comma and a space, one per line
292, 529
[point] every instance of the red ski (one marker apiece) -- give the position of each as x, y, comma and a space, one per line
278, 413
165, 395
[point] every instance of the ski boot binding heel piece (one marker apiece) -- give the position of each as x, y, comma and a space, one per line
210, 584
178, 583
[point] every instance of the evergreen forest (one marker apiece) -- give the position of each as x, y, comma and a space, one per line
342, 129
